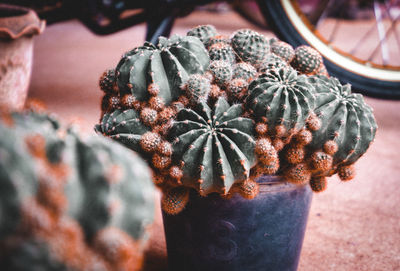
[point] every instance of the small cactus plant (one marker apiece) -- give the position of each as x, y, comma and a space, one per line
259, 107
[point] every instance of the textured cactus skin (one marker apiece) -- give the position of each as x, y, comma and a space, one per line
203, 32
108, 171
65, 191
222, 51
17, 179
166, 65
271, 62
283, 97
205, 138
283, 50
346, 119
250, 46
123, 126
221, 71
306, 60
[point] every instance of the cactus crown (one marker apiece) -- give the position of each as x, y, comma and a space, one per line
256, 109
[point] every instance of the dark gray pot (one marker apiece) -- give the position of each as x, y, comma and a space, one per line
265, 233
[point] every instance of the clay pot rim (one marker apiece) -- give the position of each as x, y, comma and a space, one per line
16, 26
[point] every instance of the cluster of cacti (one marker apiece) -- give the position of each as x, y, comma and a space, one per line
68, 203
257, 108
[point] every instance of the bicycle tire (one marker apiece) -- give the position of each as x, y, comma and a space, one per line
289, 29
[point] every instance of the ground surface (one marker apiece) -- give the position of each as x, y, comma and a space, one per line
352, 226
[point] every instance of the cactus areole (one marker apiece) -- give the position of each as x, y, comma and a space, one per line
213, 113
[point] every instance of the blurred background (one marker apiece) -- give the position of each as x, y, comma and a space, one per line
352, 226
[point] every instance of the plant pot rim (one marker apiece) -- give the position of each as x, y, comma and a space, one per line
22, 22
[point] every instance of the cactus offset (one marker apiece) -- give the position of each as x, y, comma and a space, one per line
221, 71
250, 46
244, 71
203, 32
222, 52
307, 60
283, 50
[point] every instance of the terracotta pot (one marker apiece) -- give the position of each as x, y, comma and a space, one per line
265, 233
17, 27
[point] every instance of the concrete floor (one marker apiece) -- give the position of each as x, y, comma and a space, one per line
352, 226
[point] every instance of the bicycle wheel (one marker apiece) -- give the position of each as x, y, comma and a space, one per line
370, 75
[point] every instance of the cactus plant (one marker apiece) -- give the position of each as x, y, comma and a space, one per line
269, 94
250, 46
221, 71
165, 66
283, 50
283, 98
347, 123
214, 146
223, 52
306, 60
203, 32
244, 71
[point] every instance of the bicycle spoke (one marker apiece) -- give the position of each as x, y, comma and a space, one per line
385, 35
382, 35
397, 38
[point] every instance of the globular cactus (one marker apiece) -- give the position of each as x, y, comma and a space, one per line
165, 67
174, 200
107, 81
348, 125
283, 98
71, 200
223, 52
221, 71
197, 87
203, 32
214, 147
218, 39
244, 71
283, 50
250, 46
271, 62
123, 126
307, 60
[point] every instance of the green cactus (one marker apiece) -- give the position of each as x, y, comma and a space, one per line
306, 60
250, 46
218, 39
123, 126
107, 81
284, 98
271, 62
215, 147
166, 66
283, 50
197, 88
345, 119
244, 71
203, 32
221, 71
222, 51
